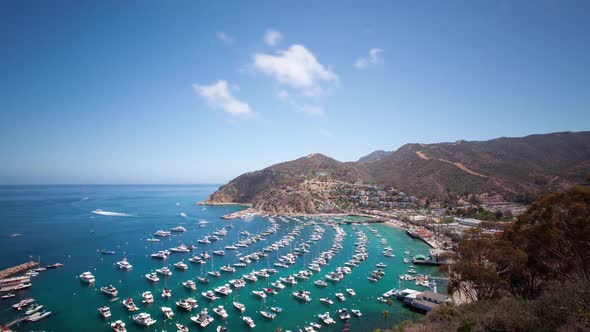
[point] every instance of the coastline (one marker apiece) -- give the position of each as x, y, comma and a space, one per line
222, 203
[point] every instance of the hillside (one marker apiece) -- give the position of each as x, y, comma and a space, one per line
515, 168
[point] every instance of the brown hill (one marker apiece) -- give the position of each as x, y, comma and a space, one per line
516, 168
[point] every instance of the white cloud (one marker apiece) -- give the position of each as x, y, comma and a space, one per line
224, 37
296, 67
272, 37
218, 96
311, 110
373, 58
284, 95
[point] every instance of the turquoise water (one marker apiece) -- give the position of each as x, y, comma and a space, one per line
57, 225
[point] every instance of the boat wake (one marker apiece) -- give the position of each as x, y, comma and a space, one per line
110, 213
182, 214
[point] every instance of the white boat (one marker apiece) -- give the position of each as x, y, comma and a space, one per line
340, 296
381, 265
351, 291
302, 295
181, 249
147, 297
124, 265
260, 294
190, 284
162, 233
33, 309
214, 273
144, 319
178, 229
166, 292
7, 296
23, 303
153, 277
320, 283
269, 315
130, 305
181, 328
164, 271
220, 310
181, 266
224, 290
87, 277
209, 295
326, 319
228, 268
185, 304
343, 313
278, 310
168, 313
109, 290
153, 240
239, 306
203, 319
326, 300
160, 254
38, 316
249, 321
278, 285
356, 312
219, 252
118, 326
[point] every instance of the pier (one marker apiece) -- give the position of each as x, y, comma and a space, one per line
18, 269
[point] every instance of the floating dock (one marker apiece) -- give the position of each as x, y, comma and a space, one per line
18, 269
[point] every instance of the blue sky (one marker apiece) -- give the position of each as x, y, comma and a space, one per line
200, 92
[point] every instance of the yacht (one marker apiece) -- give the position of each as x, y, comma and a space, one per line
109, 290
249, 321
228, 268
107, 252
326, 319
124, 265
240, 264
166, 292
231, 247
153, 277
238, 283
164, 271
260, 294
190, 285
223, 290
7, 296
381, 265
38, 316
181, 249
343, 313
36, 307
239, 306
406, 260
144, 319
23, 303
185, 305
326, 300
356, 312
160, 255
181, 266
118, 326
351, 291
128, 303
168, 313
289, 280
214, 273
219, 252
302, 295
181, 328
162, 233
278, 285
204, 240
87, 277
203, 319
269, 315
209, 295
178, 229
203, 280
147, 297
220, 310
320, 283
250, 277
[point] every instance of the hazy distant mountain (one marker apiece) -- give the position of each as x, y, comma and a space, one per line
375, 155
512, 167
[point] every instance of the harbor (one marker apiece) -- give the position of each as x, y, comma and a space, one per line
17, 269
116, 239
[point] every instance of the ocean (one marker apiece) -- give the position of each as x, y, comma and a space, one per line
70, 224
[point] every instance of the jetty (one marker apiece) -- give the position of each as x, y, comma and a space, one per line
18, 269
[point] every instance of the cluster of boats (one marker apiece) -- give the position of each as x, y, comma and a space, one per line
33, 311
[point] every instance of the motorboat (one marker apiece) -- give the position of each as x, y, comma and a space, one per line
249, 321
190, 284
109, 290
340, 296
20, 305
356, 312
278, 310
144, 319
178, 229
209, 295
107, 252
219, 252
163, 254
118, 326
351, 291
250, 277
147, 297
166, 292
216, 274
239, 306
185, 304
128, 303
38, 316
153, 240
202, 319
7, 296
224, 290
204, 240
228, 268
220, 310
326, 319
268, 315
271, 291
302, 295
203, 280
326, 300
162, 233
278, 285
260, 294
181, 328
320, 283
87, 277
36, 307
181, 266
165, 271
153, 277
180, 249
381, 265
168, 313
124, 265
343, 314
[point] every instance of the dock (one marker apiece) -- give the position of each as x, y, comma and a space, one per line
18, 269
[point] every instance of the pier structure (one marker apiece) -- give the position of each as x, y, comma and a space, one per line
18, 269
